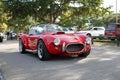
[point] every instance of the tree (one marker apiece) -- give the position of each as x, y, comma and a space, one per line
88, 11
3, 19
111, 18
49, 11
44, 11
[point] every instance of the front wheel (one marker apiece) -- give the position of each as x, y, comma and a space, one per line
112, 39
43, 53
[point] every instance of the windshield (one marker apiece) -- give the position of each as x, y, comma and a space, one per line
49, 28
111, 27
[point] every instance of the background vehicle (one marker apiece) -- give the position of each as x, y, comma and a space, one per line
1, 37
95, 32
14, 36
11, 35
68, 30
49, 39
113, 31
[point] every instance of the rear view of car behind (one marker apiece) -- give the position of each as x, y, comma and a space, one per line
112, 32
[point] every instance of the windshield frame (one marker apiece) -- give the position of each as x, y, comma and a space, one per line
50, 27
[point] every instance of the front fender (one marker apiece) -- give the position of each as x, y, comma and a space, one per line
24, 39
48, 41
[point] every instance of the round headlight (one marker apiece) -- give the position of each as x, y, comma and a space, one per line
88, 40
57, 41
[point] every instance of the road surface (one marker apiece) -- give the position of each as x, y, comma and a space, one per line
102, 64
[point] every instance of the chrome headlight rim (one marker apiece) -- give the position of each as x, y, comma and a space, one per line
88, 40
56, 41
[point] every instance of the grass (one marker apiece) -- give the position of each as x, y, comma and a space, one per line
104, 42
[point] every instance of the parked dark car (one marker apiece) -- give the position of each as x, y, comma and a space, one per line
113, 31
1, 37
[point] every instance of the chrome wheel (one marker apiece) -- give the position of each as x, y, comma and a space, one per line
40, 50
43, 53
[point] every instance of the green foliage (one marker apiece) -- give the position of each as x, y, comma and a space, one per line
90, 11
46, 11
111, 18
3, 19
22, 13
19, 25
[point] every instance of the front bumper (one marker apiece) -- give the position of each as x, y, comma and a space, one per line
75, 48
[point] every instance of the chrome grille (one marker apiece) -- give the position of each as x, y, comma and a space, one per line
74, 48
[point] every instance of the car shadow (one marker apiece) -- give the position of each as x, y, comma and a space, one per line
53, 57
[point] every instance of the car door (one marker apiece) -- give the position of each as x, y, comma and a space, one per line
33, 38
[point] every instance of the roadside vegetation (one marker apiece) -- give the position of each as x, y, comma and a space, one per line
105, 42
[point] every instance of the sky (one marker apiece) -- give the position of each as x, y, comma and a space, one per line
106, 3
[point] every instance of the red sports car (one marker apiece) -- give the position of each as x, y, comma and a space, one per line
49, 39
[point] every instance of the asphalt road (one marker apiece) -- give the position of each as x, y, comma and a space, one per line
102, 64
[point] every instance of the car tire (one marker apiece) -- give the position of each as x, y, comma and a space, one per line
42, 51
85, 54
21, 47
112, 39
118, 41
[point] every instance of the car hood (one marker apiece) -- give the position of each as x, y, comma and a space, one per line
69, 37
50, 36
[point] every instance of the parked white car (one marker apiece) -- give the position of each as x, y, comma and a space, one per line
95, 32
